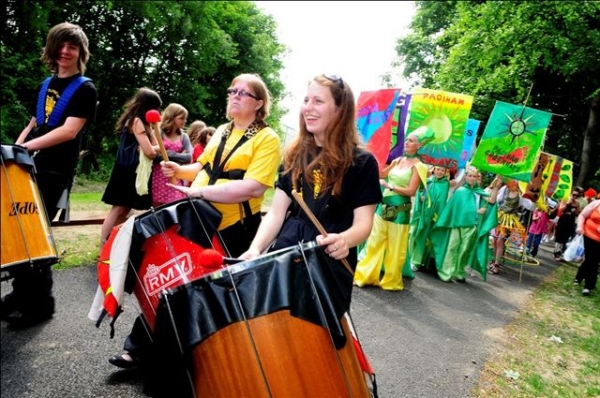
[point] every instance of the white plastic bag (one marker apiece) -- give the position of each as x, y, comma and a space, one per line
574, 252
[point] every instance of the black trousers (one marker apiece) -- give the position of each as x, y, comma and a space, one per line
237, 237
588, 270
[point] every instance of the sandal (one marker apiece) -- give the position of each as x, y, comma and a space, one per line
124, 361
494, 269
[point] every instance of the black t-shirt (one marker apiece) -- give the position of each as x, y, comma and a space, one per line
360, 187
62, 158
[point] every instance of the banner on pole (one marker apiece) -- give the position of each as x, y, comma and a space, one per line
469, 142
511, 141
374, 121
446, 114
558, 177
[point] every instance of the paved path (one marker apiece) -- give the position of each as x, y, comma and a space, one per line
430, 340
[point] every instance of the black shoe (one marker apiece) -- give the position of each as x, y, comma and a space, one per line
18, 320
124, 361
8, 305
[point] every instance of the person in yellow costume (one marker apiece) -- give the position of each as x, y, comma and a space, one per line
387, 244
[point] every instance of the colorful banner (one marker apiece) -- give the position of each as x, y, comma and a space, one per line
446, 114
558, 176
374, 121
468, 142
551, 178
511, 141
534, 190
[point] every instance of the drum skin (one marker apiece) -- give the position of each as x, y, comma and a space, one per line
276, 355
26, 234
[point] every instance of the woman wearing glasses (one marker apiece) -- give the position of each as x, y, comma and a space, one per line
238, 165
338, 180
233, 173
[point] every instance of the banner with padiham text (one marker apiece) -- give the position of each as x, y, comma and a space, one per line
446, 114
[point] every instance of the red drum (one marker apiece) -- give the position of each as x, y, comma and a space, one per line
273, 326
166, 249
27, 238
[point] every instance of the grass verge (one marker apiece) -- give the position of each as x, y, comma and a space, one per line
552, 347
80, 245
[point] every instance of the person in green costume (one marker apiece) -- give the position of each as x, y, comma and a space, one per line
429, 203
387, 244
461, 234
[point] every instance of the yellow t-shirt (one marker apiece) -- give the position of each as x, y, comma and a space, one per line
260, 157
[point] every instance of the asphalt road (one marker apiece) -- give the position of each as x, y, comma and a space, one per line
430, 340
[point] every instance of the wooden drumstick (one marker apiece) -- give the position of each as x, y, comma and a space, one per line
317, 224
153, 117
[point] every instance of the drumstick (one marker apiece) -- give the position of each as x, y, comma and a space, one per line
153, 117
317, 224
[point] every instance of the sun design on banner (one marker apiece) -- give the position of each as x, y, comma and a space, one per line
511, 141
446, 114
517, 126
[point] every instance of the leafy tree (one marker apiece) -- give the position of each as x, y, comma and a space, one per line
188, 51
544, 54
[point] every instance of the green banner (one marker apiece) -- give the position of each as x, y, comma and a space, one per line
511, 141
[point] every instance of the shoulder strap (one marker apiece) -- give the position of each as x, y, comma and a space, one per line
41, 102
62, 102
217, 168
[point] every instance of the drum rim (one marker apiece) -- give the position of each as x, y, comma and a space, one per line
242, 266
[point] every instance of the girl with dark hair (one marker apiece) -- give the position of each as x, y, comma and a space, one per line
120, 191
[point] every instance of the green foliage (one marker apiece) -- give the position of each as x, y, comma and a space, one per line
542, 54
188, 51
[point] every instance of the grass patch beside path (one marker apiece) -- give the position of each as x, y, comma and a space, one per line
530, 362
80, 245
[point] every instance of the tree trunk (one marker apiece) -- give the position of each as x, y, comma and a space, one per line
590, 135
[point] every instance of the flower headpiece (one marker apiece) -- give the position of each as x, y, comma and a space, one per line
424, 134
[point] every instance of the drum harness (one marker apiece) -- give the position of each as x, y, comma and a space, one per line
215, 171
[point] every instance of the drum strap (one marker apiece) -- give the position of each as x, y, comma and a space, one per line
217, 172
60, 105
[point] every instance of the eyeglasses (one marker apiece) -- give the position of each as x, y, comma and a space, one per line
334, 78
242, 93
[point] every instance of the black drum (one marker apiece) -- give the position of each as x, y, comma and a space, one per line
268, 327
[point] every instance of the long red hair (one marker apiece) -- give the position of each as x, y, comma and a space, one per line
340, 141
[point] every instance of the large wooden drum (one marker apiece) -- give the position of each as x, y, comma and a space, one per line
27, 238
270, 327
